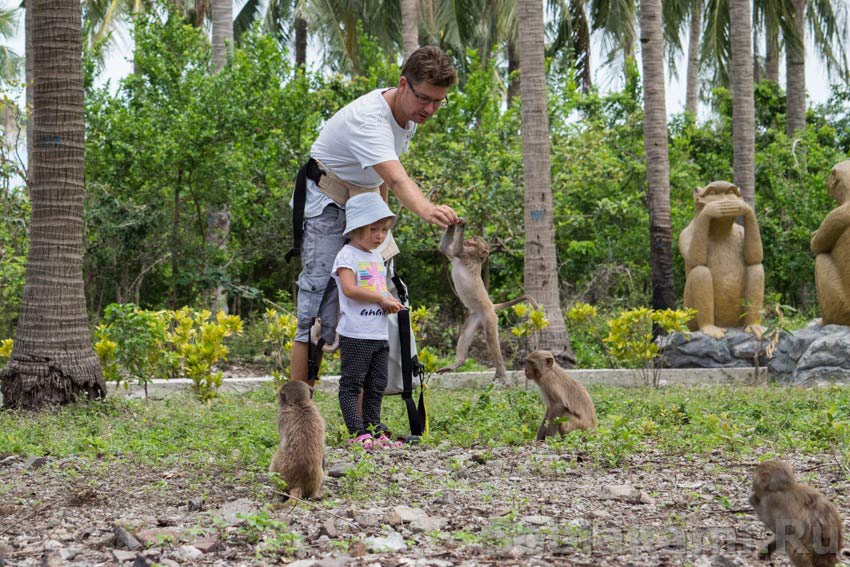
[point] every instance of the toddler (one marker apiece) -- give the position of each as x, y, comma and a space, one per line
364, 304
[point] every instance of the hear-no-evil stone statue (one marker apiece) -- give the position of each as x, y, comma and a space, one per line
831, 244
724, 277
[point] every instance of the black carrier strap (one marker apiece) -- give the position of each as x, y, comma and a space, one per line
309, 170
409, 365
313, 350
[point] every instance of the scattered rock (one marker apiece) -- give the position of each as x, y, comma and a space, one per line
536, 520
52, 559
338, 471
357, 549
625, 493
70, 552
122, 556
698, 350
83, 533
234, 512
392, 541
305, 563
479, 458
9, 461
165, 562
124, 539
141, 561
209, 544
195, 504
328, 528
154, 536
813, 354
445, 499
34, 463
189, 552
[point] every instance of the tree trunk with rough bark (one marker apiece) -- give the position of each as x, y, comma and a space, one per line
28, 77
300, 25
541, 267
657, 160
743, 102
52, 359
513, 66
410, 26
218, 220
692, 96
771, 55
795, 73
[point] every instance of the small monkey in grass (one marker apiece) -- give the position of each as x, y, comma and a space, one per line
299, 458
780, 502
467, 257
564, 396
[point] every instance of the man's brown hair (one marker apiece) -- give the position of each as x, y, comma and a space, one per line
429, 65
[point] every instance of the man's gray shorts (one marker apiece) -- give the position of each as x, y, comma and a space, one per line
322, 241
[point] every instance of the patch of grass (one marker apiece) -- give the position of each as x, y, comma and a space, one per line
237, 432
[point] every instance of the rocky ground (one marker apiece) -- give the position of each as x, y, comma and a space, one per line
416, 505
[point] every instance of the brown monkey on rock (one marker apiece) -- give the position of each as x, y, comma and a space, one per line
467, 257
299, 458
564, 396
780, 502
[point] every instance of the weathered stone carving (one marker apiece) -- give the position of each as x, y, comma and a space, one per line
724, 277
831, 245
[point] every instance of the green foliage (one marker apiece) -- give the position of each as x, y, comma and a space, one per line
278, 332
132, 343
632, 340
5, 350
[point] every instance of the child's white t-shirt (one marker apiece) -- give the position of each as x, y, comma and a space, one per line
359, 320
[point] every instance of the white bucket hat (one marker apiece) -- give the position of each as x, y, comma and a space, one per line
364, 209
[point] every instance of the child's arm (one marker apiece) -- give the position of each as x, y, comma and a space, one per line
349, 287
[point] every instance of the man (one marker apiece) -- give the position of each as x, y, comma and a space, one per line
358, 150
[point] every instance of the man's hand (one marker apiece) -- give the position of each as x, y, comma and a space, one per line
442, 216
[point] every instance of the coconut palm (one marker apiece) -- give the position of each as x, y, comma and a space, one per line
52, 360
657, 161
541, 268
743, 101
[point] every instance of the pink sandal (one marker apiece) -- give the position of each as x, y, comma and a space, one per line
386, 442
366, 441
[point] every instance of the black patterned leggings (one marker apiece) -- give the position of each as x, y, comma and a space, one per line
363, 366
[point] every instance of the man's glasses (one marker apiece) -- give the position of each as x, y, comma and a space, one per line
426, 100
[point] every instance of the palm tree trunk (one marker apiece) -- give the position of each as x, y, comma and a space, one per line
692, 97
410, 26
743, 103
756, 63
771, 55
218, 220
541, 267
657, 160
300, 25
795, 73
513, 67
52, 360
28, 77
222, 31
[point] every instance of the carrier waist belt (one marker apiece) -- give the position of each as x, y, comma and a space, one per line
336, 189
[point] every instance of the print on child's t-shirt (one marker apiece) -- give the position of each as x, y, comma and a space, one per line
372, 276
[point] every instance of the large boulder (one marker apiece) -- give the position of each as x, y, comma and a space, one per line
698, 350
811, 355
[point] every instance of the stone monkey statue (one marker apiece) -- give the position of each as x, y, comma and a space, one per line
831, 246
467, 257
724, 277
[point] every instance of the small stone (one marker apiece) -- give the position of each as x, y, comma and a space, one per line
123, 556
52, 545
195, 504
165, 562
52, 559
393, 541
125, 539
428, 524
234, 512
305, 563
536, 520
338, 471
209, 544
155, 536
444, 499
329, 528
479, 458
34, 463
83, 533
70, 552
357, 549
190, 552
141, 561
625, 493
8, 461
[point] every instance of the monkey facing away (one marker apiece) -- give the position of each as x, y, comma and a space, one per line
780, 502
299, 458
467, 257
564, 396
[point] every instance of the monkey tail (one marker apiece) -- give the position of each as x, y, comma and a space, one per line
512, 302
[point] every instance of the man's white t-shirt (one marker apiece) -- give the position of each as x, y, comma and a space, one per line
361, 134
359, 320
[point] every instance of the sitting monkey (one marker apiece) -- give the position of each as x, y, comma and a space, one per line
301, 454
467, 257
804, 523
724, 277
564, 396
831, 244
